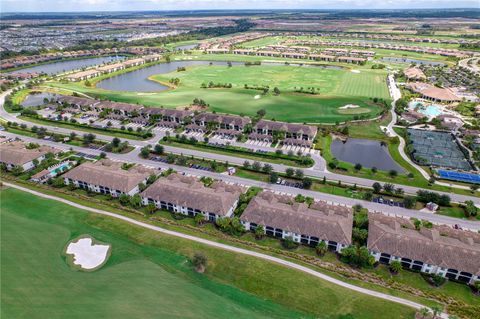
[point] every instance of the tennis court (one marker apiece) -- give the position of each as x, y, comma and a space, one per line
437, 149
458, 176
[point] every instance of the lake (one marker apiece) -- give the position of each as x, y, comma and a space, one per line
369, 153
186, 47
35, 99
68, 65
137, 81
406, 60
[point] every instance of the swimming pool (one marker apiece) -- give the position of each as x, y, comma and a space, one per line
431, 110
54, 171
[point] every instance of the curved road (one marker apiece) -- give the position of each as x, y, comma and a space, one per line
232, 249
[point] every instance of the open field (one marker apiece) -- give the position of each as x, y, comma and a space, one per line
143, 266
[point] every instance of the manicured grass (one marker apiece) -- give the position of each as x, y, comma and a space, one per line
337, 87
148, 274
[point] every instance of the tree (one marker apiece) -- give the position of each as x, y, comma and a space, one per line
395, 267
124, 199
199, 219
136, 201
259, 232
200, 262
358, 166
357, 256
267, 168
298, 173
246, 164
116, 142
389, 188
377, 187
256, 166
88, 138
470, 208
307, 183
474, 188
145, 151
424, 312
276, 91
273, 178
393, 173
289, 243
73, 135
289, 172
409, 202
437, 310
321, 248
17, 170
374, 170
368, 196
159, 149
151, 208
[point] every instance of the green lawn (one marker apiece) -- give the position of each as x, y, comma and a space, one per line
148, 274
337, 87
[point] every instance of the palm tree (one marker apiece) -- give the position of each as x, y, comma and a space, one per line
321, 248
437, 310
395, 266
424, 312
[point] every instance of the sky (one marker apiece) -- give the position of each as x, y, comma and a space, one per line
139, 5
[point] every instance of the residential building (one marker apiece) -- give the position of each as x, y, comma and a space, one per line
414, 74
227, 122
189, 196
83, 75
433, 93
281, 216
17, 153
108, 177
291, 130
441, 250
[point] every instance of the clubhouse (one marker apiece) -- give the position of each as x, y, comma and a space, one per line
108, 177
282, 217
189, 196
17, 154
441, 250
414, 73
433, 93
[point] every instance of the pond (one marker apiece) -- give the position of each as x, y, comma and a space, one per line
407, 60
186, 47
137, 81
368, 153
69, 65
36, 99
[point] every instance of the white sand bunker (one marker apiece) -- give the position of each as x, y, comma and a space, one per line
256, 97
355, 71
349, 106
86, 254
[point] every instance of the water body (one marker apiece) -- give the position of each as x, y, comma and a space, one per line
369, 153
406, 60
186, 47
69, 65
36, 99
137, 81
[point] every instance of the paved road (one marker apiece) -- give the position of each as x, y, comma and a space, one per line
474, 64
385, 209
238, 250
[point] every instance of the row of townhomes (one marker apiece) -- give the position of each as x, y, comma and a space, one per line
113, 67
441, 250
40, 58
16, 153
381, 45
282, 217
222, 124
108, 177
189, 196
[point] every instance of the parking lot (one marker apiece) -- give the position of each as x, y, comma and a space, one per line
258, 143
388, 202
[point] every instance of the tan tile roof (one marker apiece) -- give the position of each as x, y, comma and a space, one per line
322, 220
188, 191
414, 73
15, 153
109, 174
310, 130
433, 92
441, 246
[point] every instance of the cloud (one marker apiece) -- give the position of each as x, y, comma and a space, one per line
136, 5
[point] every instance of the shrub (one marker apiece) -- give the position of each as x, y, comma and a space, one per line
288, 243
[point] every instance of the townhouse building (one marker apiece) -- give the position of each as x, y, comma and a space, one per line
282, 217
108, 177
441, 250
295, 134
17, 153
189, 196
